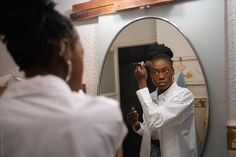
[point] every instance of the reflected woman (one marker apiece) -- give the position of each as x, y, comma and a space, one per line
168, 112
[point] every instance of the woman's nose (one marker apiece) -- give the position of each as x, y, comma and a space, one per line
161, 75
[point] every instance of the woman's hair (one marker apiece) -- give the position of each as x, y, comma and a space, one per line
159, 51
32, 31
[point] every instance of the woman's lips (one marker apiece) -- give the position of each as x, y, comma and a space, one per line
162, 83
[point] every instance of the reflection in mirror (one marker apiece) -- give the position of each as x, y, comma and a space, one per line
118, 81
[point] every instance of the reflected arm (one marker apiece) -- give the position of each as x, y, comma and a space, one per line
138, 128
171, 113
141, 129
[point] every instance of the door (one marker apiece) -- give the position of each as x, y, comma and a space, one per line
128, 87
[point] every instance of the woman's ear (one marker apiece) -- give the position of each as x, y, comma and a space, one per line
65, 54
65, 50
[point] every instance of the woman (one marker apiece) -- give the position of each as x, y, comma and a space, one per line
41, 115
168, 112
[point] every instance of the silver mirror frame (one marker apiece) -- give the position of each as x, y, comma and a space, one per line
189, 42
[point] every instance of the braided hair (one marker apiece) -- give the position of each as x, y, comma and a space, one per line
159, 51
32, 29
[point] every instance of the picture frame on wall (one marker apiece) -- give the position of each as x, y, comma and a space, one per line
190, 68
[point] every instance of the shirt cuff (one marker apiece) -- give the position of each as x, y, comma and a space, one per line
140, 130
144, 95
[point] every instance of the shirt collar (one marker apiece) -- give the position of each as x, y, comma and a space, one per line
47, 84
169, 92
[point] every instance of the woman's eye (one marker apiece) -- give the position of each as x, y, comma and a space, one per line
154, 72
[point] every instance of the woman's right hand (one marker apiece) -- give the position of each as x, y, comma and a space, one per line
132, 118
141, 75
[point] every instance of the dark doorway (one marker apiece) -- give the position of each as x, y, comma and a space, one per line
128, 87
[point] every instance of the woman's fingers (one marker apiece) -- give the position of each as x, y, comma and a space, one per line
132, 116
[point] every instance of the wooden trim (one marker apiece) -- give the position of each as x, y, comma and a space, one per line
129, 4
92, 13
91, 5
97, 8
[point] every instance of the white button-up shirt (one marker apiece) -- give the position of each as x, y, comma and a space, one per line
42, 117
168, 117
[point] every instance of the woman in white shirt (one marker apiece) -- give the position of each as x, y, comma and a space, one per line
42, 116
168, 112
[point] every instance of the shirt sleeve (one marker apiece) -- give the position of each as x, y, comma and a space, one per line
120, 129
140, 130
171, 113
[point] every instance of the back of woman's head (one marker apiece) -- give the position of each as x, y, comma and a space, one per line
32, 30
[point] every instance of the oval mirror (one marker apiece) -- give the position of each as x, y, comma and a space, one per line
117, 78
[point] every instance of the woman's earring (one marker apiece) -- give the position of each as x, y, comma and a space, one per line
69, 71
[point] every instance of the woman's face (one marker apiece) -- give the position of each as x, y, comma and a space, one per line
75, 81
161, 72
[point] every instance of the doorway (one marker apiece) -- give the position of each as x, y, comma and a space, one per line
128, 87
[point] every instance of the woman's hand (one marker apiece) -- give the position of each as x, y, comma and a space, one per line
132, 118
141, 75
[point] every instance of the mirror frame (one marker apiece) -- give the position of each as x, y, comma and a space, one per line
190, 44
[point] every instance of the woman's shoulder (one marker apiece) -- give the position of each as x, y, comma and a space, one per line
180, 92
96, 102
98, 110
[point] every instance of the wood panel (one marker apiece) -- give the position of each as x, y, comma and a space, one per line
91, 5
97, 8
129, 4
92, 13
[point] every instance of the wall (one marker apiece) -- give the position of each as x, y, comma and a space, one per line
231, 59
129, 36
7, 65
89, 39
230, 67
203, 23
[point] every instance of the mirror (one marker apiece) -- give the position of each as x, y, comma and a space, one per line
117, 78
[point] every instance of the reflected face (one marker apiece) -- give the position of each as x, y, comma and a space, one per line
161, 72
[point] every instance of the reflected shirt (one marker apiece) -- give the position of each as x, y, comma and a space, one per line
42, 117
168, 117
